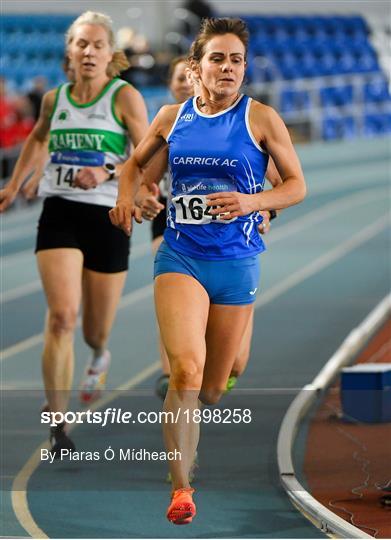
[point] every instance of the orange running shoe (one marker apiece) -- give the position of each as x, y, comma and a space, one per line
182, 508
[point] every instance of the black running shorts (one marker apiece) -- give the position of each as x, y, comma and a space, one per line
159, 224
87, 227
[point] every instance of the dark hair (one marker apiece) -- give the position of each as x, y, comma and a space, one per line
217, 27
173, 64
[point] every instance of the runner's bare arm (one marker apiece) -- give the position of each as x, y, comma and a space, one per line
153, 141
273, 135
131, 175
131, 110
272, 175
33, 146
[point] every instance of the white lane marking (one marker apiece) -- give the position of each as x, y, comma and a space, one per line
19, 488
325, 260
19, 485
21, 346
325, 212
17, 258
20, 256
268, 295
19, 292
139, 251
342, 177
281, 233
127, 300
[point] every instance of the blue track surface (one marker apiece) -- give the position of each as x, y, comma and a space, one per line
326, 267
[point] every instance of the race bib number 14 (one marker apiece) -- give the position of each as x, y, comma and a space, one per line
192, 209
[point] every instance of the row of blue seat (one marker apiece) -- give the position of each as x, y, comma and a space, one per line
17, 44
36, 23
291, 68
293, 52
302, 36
319, 48
376, 92
291, 22
348, 127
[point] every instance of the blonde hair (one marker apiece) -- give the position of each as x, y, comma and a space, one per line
119, 61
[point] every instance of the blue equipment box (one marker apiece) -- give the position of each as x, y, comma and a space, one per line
366, 392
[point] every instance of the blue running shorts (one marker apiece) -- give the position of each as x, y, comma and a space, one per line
230, 282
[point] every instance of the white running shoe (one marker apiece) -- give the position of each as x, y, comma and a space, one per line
94, 380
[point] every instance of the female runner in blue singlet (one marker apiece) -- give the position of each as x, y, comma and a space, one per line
207, 269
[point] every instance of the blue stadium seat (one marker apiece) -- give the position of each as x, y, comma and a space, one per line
347, 63
294, 100
336, 127
377, 124
376, 91
337, 96
339, 43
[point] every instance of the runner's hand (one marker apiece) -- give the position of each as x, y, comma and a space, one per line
150, 205
90, 177
122, 215
264, 227
232, 204
7, 196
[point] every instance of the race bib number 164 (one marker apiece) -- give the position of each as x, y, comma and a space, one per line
192, 209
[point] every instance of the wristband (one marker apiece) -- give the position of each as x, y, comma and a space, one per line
110, 169
272, 214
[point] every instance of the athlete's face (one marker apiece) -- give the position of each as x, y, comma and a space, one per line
180, 85
221, 69
90, 51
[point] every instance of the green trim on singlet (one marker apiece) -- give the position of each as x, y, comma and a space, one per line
121, 124
88, 139
90, 103
56, 101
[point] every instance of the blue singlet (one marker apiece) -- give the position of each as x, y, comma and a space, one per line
208, 154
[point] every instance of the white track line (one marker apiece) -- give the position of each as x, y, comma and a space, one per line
21, 291
320, 515
295, 278
325, 260
127, 300
281, 233
19, 487
139, 251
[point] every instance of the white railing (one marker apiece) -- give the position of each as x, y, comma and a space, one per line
314, 112
321, 516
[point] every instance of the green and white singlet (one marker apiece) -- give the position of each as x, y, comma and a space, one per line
84, 135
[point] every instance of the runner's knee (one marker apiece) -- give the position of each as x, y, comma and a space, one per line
186, 372
62, 321
211, 396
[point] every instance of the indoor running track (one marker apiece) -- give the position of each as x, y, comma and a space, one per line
327, 266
